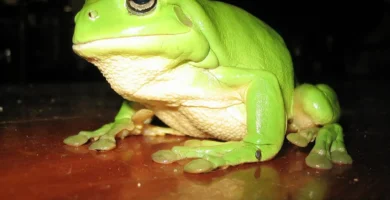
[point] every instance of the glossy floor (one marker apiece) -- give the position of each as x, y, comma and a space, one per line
35, 164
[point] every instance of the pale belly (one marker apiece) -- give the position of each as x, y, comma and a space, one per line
218, 123
188, 99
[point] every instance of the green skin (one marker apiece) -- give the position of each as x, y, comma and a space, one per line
249, 58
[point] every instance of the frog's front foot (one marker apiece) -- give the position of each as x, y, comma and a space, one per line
211, 154
329, 148
104, 137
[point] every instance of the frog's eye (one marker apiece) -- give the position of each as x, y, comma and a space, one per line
140, 6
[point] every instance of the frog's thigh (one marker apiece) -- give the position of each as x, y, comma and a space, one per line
319, 102
317, 106
314, 105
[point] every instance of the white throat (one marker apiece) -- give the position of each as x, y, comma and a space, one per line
127, 75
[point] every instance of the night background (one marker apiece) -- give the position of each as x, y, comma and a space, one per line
328, 40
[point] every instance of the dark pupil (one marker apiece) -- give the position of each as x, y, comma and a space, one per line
140, 2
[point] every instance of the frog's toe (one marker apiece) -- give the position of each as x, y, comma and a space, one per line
318, 161
103, 145
199, 166
341, 157
297, 139
76, 140
164, 157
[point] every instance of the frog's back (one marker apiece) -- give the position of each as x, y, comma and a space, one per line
244, 41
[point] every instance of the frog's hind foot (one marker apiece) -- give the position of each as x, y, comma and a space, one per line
316, 111
303, 137
329, 148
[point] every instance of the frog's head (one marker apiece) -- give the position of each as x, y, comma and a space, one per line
140, 38
134, 27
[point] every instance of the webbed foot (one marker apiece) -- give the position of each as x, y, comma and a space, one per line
329, 148
212, 155
104, 137
303, 137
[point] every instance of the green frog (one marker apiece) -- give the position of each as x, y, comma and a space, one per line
208, 70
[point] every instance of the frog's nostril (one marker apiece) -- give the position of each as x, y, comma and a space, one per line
93, 15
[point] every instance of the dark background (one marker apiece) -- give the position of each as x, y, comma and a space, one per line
328, 40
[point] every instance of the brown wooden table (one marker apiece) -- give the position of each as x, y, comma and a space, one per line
35, 164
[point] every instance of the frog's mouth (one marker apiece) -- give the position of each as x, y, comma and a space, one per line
189, 46
124, 46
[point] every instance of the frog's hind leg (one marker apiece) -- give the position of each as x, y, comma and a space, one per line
316, 111
329, 147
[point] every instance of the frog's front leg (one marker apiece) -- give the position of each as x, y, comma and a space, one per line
127, 121
316, 111
266, 124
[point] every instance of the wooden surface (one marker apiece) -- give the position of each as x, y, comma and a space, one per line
35, 164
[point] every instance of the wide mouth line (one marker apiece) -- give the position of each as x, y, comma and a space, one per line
127, 37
